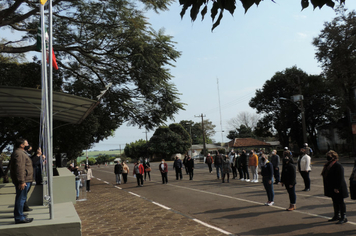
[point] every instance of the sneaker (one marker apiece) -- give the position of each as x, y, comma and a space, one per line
271, 204
242, 179
266, 204
247, 180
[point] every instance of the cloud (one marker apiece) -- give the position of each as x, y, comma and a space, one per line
299, 17
302, 35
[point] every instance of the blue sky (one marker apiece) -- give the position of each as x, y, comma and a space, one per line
243, 52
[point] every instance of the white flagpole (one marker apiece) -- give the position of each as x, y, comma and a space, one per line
50, 113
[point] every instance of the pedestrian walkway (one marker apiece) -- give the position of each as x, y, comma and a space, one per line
110, 210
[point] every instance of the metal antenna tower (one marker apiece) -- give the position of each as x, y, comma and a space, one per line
222, 140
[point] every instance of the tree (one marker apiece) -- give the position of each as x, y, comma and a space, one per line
167, 141
102, 158
336, 52
230, 6
196, 130
136, 149
320, 102
244, 118
242, 132
96, 44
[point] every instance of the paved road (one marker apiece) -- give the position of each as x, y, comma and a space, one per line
238, 207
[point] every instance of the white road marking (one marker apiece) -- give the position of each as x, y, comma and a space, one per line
106, 182
118, 187
167, 208
134, 194
98, 179
213, 227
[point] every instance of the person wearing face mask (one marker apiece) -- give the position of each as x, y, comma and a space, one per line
163, 168
335, 186
304, 168
190, 166
289, 179
275, 162
253, 164
267, 179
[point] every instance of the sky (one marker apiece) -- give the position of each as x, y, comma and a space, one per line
243, 52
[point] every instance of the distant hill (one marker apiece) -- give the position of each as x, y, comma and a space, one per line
95, 154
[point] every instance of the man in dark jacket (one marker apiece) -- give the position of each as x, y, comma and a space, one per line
22, 176
335, 186
190, 166
243, 162
178, 165
118, 172
275, 162
209, 161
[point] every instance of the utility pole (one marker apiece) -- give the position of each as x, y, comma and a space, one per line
302, 110
202, 126
146, 135
146, 144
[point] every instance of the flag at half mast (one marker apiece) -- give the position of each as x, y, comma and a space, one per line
39, 47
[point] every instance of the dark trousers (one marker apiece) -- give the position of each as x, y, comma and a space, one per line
210, 168
88, 185
164, 177
25, 205
139, 178
124, 176
37, 175
20, 199
227, 176
276, 174
292, 195
305, 176
241, 173
191, 173
245, 172
339, 206
186, 169
149, 174
179, 172
234, 171
269, 188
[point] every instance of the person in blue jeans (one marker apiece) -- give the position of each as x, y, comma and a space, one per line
76, 172
21, 171
267, 179
218, 164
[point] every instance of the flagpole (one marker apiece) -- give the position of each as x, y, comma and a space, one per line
50, 112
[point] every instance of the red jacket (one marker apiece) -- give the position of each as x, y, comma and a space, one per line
141, 169
165, 169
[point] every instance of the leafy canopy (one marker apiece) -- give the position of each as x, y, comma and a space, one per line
219, 6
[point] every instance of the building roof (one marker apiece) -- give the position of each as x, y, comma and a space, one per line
26, 102
208, 146
247, 142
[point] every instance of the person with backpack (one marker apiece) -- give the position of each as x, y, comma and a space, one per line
147, 167
118, 172
138, 171
163, 168
209, 160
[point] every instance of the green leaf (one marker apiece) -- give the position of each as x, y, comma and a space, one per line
217, 22
305, 4
203, 12
247, 4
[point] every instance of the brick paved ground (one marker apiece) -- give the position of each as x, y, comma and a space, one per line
111, 211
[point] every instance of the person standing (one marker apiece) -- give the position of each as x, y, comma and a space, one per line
237, 163
89, 177
209, 161
275, 162
232, 158
163, 168
308, 150
178, 165
147, 167
267, 179
118, 171
289, 179
138, 171
335, 186
36, 164
125, 171
185, 163
304, 168
253, 164
218, 164
22, 176
244, 160
76, 172
226, 169
190, 165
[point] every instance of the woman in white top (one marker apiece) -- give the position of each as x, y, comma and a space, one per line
304, 168
89, 176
